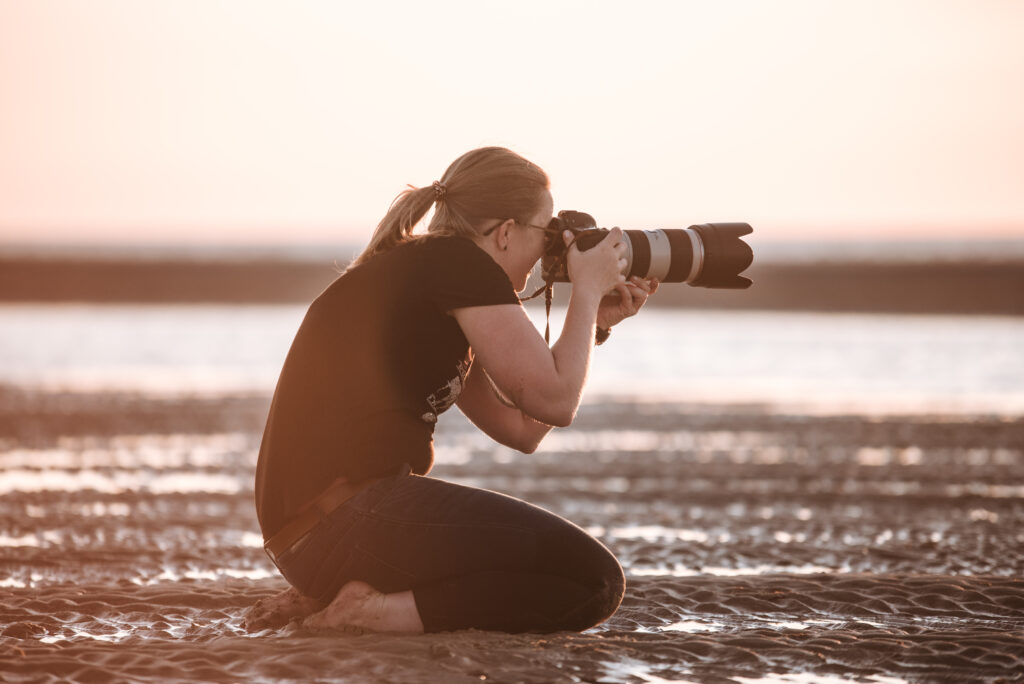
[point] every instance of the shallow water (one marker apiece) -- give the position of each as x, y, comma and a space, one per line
775, 519
812, 362
757, 547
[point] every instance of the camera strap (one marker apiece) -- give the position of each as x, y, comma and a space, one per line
548, 288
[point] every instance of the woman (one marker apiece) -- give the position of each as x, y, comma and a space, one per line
415, 324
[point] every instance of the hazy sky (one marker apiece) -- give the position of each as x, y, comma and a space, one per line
256, 121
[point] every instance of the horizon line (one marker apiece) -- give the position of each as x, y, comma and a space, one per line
771, 250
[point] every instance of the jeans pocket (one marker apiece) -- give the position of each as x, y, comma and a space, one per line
293, 564
286, 557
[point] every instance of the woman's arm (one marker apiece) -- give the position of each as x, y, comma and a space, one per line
484, 404
504, 423
546, 384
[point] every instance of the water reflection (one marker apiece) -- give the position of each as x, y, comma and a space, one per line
680, 570
117, 482
810, 361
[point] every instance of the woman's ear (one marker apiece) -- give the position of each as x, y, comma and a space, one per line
503, 234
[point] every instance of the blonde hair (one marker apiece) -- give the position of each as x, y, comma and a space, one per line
485, 183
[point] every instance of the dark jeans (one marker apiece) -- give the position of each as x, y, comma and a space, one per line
473, 558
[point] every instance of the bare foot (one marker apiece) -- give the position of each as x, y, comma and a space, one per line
275, 611
360, 608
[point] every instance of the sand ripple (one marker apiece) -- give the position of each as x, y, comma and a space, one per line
696, 628
755, 545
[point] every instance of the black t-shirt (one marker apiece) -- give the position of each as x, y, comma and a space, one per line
376, 360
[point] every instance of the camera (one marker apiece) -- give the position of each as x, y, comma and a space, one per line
703, 255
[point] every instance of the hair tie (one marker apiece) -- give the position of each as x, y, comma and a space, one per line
440, 190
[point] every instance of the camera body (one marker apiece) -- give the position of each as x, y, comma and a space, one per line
703, 255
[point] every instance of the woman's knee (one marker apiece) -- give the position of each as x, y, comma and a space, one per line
610, 591
606, 581
603, 601
607, 572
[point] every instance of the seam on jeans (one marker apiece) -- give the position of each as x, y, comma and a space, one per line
319, 573
294, 548
377, 559
394, 480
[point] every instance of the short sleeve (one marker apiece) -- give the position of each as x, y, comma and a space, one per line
460, 274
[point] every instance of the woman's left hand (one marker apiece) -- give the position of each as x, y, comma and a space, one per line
625, 301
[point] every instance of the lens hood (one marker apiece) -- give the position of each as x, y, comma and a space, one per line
725, 255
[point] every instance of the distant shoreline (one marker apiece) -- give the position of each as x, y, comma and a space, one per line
964, 287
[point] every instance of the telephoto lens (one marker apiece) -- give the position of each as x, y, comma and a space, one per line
703, 255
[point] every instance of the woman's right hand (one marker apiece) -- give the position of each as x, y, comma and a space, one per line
600, 268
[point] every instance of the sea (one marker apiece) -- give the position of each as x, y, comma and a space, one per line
805, 362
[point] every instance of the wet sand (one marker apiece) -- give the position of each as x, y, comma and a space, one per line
758, 546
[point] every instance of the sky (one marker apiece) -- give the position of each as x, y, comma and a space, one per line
247, 121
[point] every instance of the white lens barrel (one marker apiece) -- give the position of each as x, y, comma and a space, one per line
628, 256
671, 255
661, 254
698, 255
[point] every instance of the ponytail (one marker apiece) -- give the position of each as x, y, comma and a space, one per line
482, 185
396, 227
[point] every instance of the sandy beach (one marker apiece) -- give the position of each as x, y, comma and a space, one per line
758, 546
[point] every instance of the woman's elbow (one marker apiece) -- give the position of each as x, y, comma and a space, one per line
565, 411
556, 415
563, 419
524, 444
549, 408
527, 447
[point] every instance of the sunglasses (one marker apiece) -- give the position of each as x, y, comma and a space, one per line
546, 229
